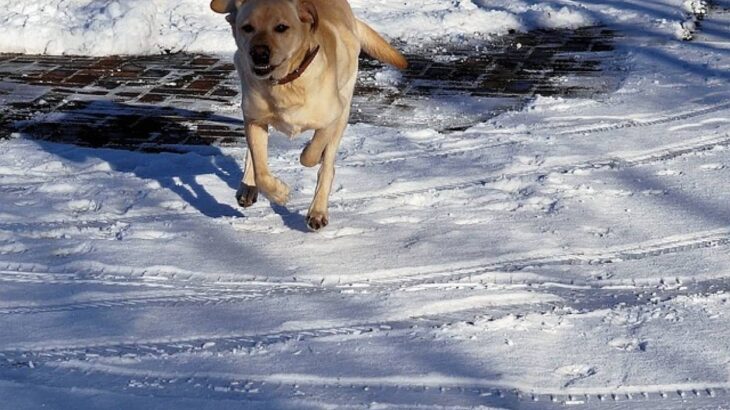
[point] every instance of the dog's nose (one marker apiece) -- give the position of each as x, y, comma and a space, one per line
260, 55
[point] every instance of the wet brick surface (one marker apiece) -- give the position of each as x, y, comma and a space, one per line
158, 102
453, 88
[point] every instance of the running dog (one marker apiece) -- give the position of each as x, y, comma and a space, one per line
298, 61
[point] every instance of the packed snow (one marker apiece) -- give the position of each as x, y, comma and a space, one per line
572, 252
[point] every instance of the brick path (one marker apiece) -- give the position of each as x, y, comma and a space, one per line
157, 102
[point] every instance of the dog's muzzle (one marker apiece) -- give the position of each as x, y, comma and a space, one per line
263, 70
260, 57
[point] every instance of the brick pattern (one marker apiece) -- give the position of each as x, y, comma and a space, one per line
146, 102
511, 69
122, 102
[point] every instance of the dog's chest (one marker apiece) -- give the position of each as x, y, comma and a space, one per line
288, 126
294, 116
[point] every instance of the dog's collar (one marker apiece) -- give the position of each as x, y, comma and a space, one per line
308, 58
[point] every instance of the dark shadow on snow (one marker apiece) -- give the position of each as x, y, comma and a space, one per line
111, 130
292, 220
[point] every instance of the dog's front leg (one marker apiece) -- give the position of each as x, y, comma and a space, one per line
248, 193
257, 137
318, 215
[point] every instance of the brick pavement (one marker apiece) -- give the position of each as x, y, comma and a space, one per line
159, 102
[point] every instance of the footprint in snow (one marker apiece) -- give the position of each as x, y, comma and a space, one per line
404, 219
668, 172
628, 344
149, 234
79, 249
575, 372
174, 205
12, 248
712, 167
342, 232
82, 205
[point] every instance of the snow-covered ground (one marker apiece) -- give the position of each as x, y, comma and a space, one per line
574, 251
108, 27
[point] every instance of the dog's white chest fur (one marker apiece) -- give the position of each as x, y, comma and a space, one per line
294, 120
288, 128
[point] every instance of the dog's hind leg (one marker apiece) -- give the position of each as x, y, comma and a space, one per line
318, 215
247, 193
257, 137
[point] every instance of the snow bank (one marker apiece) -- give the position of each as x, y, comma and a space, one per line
79, 26
435, 18
105, 27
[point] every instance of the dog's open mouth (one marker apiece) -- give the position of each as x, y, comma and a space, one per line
263, 70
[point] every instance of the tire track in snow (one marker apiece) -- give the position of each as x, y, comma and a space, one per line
210, 344
660, 119
655, 118
82, 366
212, 298
385, 279
614, 162
636, 123
395, 319
611, 161
503, 303
435, 153
76, 225
636, 251
196, 298
140, 277
412, 155
410, 390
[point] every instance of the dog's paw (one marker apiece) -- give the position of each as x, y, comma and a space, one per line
275, 190
247, 195
317, 220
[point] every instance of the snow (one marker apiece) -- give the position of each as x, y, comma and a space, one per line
109, 27
568, 252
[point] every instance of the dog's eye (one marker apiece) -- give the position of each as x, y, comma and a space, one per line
281, 28
247, 28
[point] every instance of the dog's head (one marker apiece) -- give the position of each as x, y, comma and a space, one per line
269, 33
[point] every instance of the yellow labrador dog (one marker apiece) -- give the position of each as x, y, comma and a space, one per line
298, 60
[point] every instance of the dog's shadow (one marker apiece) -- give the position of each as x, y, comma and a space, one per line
292, 220
152, 143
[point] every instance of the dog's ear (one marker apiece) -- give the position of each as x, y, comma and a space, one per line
308, 14
225, 6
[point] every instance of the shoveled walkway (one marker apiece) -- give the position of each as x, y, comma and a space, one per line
158, 102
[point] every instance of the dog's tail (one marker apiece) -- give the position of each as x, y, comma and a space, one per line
376, 47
